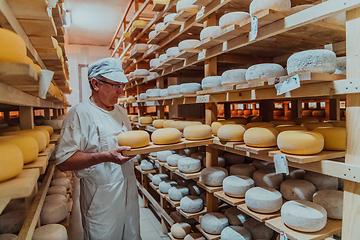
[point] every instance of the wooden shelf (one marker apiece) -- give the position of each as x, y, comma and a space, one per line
217, 141
135, 32
324, 155
188, 176
172, 25
156, 188
144, 172
3, 203
40, 163
188, 53
229, 200
158, 37
135, 55
254, 150
161, 164
170, 168
201, 2
158, 7
48, 150
208, 188
173, 203
261, 217
54, 138
18, 75
185, 14
208, 235
192, 215
173, 60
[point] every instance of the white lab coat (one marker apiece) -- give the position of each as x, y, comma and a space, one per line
108, 192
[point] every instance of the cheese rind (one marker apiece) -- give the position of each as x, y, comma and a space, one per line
233, 76
210, 82
321, 181
159, 27
180, 230
214, 223
11, 222
39, 135
167, 123
232, 18
263, 199
57, 190
61, 182
312, 125
258, 229
194, 236
190, 87
332, 201
300, 142
197, 132
189, 165
264, 70
267, 177
134, 139
13, 48
141, 47
297, 189
334, 138
242, 169
186, 5
11, 161
235, 232
209, 32
154, 62
141, 72
146, 165
213, 176
261, 137
28, 146
235, 216
50, 231
172, 52
164, 186
53, 212
169, 17
173, 89
162, 155
237, 185
158, 123
158, 178
152, 35
146, 120
183, 125
191, 204
166, 136
231, 132
176, 193
188, 44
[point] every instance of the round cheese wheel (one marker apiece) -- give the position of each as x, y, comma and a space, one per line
56, 124
188, 44
153, 92
158, 123
258, 164
154, 62
295, 173
232, 158
162, 156
61, 182
183, 125
312, 125
53, 212
282, 128
39, 135
340, 65
170, 17
173, 159
164, 186
235, 232
191, 204
139, 23
267, 177
213, 176
318, 113
158, 178
187, 151
258, 229
332, 201
166, 136
261, 137
141, 72
198, 155
237, 185
143, 95
134, 139
57, 190
59, 174
214, 223
209, 32
28, 146
11, 161
320, 60
194, 189
338, 123
231, 132
167, 123
297, 189
180, 230
159, 27
259, 124
186, 5
197, 132
176, 124
334, 137
131, 99
176, 193
8, 236
189, 165
264, 70
300, 142
278, 5
50, 231
173, 89
146, 165
210, 82
283, 122
164, 92
141, 47
232, 18
152, 35
13, 48
47, 128
194, 236
56, 198
242, 169
190, 87
321, 181
146, 120
217, 124
233, 76
235, 216
263, 199
11, 222
163, 58
304, 216
172, 52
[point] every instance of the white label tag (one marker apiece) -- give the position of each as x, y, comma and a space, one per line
283, 235
254, 29
200, 13
281, 165
182, 27
290, 84
203, 99
224, 48
202, 55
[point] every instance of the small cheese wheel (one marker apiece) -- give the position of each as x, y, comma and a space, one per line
172, 52
183, 125
166, 136
28, 146
214, 222
141, 72
237, 185
278, 5
261, 137
312, 125
258, 164
190, 87
304, 216
188, 44
321, 181
61, 182
297, 189
154, 62
162, 155
334, 138
264, 70
187, 151
57, 190
340, 65
263, 199
8, 236
213, 176
141, 47
176, 193
173, 89
259, 124
295, 173
194, 236
167, 123
209, 32
47, 128
163, 58
332, 201
59, 174
242, 169
189, 165
50, 231
169, 17
232, 18
306, 113
232, 158
164, 186
231, 132
146, 165
235, 216
164, 92
191, 204
56, 198
11, 222
11, 161
300, 142
134, 139
146, 120
152, 35
186, 5
318, 113
140, 23
197, 132
176, 124
282, 128
210, 82
194, 189
180, 230
233, 76
53, 212
258, 229
158, 178
267, 177
143, 95
235, 232
39, 135
158, 123
13, 48
217, 124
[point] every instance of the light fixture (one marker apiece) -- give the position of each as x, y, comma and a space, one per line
67, 19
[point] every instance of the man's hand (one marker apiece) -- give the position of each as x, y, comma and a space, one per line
117, 157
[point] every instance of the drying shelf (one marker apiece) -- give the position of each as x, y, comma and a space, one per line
208, 188
261, 217
188, 176
324, 155
192, 215
229, 200
208, 235
146, 171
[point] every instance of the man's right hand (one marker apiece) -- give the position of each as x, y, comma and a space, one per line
117, 157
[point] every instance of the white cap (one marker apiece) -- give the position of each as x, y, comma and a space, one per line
109, 68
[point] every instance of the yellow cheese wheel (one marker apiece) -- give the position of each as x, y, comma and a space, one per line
160, 1
27, 145
39, 136
312, 125
134, 118
29, 61
146, 120
176, 124
231, 132
300, 121
261, 137
259, 124
37, 68
300, 142
338, 123
197, 132
11, 161
47, 135
282, 128
126, 35
13, 48
188, 123
47, 128
158, 123
140, 23
334, 137
134, 139
217, 124
282, 122
167, 123
166, 136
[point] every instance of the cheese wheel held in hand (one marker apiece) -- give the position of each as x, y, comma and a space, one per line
134, 139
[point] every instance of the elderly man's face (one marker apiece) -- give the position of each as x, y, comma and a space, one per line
109, 91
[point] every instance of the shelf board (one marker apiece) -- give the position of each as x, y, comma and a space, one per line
156, 188
229, 200
40, 163
18, 74
172, 25
255, 150
185, 14
188, 176
173, 60
161, 164
202, 2
173, 203
188, 53
170, 168
208, 43
261, 217
135, 32
233, 31
54, 138
309, 77
217, 141
48, 150
332, 227
192, 215
144, 172
3, 203
208, 188
208, 235
136, 54
36, 27
158, 7
324, 155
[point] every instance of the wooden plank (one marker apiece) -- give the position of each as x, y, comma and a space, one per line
233, 31
261, 217
172, 25
135, 55
156, 188
201, 2
254, 150
34, 27
188, 175
144, 172
42, 42
158, 7
229, 200
173, 203
54, 138
208, 235
18, 74
217, 141
324, 155
26, 10
48, 54
40, 163
208, 43
208, 188
185, 14
3, 203
308, 77
173, 60
191, 215
170, 168
48, 150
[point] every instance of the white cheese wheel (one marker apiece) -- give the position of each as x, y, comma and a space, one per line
61, 182
304, 216
282, 128
146, 165
261, 137
334, 138
172, 52
140, 23
131, 74
11, 161
209, 32
186, 5
11, 222
332, 201
183, 125
300, 142
166, 136
162, 155
59, 174
172, 160
231, 132
213, 176
312, 125
278, 5
232, 158
180, 230
233, 76
295, 173
258, 164
154, 62
53, 212
259, 124
164, 186
214, 223
235, 233
194, 236
8, 236
297, 189
39, 135
242, 169
187, 151
50, 231
237, 185
164, 92
153, 154
189, 165
167, 123
158, 178
188, 44
155, 92
340, 65
232, 18
173, 89
190, 87
141, 47
169, 17
258, 229
197, 132
267, 177
176, 193
159, 27
152, 34
143, 95
321, 181
235, 216
263, 199
141, 72
134, 139
264, 70
163, 57
158, 123
191, 204
320, 60
146, 120
57, 190
194, 189
176, 124
210, 82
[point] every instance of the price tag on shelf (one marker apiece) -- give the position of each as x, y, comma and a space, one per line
281, 165
254, 29
283, 235
200, 13
182, 27
202, 55
290, 84
224, 48
203, 99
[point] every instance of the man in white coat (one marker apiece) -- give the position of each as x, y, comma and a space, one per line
88, 146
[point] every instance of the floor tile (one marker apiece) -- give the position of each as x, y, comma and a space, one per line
155, 222
151, 236
146, 226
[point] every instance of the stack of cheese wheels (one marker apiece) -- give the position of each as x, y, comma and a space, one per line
235, 216
237, 185
134, 139
155, 92
263, 199
11, 161
304, 216
164, 92
152, 35
279, 5
146, 165
53, 212
332, 201
214, 223
162, 156
183, 125
13, 48
139, 23
264, 70
55, 198
180, 230
169, 17
320, 60
39, 135
334, 137
321, 181
57, 190
167, 123
173, 89
242, 169
189, 165
197, 132
312, 125
176, 193
233, 18
163, 58
141, 47
176, 124
172, 52
231, 132
158, 123
261, 137
267, 177
300, 142
166, 136
190, 87
258, 229
233, 76
297, 189
213, 176
282, 128
188, 44
50, 231
235, 232
146, 120
186, 5
28, 146
141, 72
154, 63
209, 32
259, 124
191, 204
210, 82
